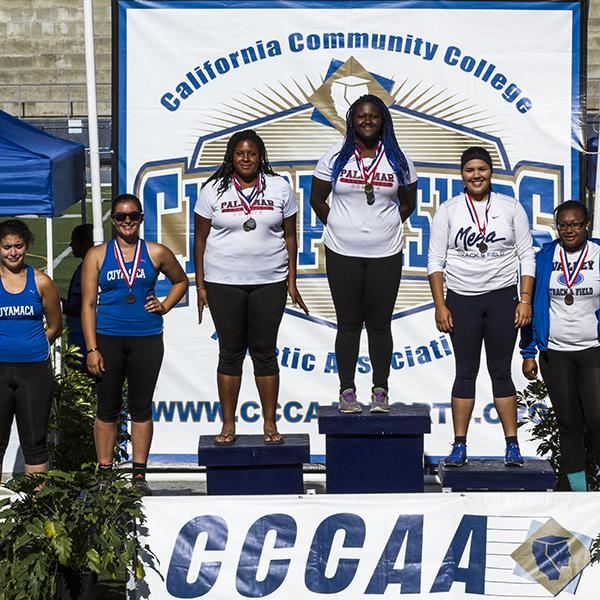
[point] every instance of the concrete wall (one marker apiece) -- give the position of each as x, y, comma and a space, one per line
42, 57
42, 62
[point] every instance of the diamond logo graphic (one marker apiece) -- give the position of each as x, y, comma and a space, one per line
345, 85
552, 556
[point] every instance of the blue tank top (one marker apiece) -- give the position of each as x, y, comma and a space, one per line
22, 335
116, 316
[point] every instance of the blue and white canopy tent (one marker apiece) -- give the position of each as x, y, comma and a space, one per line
40, 174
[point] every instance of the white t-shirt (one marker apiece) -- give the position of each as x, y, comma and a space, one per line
355, 228
575, 327
239, 257
455, 237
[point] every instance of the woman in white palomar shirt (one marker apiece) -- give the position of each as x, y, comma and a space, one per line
373, 187
478, 241
245, 258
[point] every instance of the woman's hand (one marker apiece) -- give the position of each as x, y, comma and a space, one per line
95, 364
443, 319
530, 368
522, 314
202, 302
296, 297
154, 305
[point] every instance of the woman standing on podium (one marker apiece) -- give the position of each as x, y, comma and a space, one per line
478, 241
27, 297
566, 331
245, 259
122, 325
373, 187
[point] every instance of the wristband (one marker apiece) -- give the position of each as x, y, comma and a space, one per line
200, 287
523, 302
526, 293
92, 350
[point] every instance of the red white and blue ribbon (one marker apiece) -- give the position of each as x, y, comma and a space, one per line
369, 173
571, 275
475, 217
247, 201
129, 276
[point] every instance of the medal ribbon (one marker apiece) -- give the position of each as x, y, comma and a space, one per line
475, 216
247, 201
369, 174
129, 277
570, 279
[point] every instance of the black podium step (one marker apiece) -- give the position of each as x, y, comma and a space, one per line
371, 453
249, 466
494, 475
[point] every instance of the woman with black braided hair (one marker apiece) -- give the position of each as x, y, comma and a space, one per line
245, 259
373, 187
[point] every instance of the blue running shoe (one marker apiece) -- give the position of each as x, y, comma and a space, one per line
458, 456
513, 457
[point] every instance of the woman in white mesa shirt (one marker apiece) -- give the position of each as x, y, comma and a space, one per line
478, 241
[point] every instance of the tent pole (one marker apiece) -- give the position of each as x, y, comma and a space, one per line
49, 249
55, 350
90, 68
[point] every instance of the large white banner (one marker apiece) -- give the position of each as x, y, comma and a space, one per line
501, 75
518, 545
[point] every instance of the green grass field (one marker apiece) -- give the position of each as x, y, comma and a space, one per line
61, 228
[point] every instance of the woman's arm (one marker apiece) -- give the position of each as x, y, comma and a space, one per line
291, 245
319, 192
167, 264
408, 200
201, 231
89, 297
51, 303
443, 317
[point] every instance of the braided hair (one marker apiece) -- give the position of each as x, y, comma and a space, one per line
395, 156
224, 174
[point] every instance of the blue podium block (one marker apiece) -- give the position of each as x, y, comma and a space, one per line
249, 466
369, 453
493, 475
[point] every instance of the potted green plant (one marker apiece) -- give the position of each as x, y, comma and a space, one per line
61, 530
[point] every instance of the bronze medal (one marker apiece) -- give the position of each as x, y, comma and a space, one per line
369, 189
483, 247
130, 298
569, 299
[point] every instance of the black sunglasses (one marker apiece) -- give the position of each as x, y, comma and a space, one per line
134, 216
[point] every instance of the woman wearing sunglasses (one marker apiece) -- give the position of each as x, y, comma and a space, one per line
122, 324
245, 258
373, 187
566, 332
478, 241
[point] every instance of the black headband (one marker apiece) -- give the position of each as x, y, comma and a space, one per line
475, 153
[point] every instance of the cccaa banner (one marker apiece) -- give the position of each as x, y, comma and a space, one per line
512, 545
501, 75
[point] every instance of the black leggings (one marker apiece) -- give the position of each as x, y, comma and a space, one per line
364, 291
490, 318
136, 358
26, 393
247, 318
573, 383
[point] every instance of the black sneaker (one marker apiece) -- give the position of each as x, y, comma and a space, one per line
141, 485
